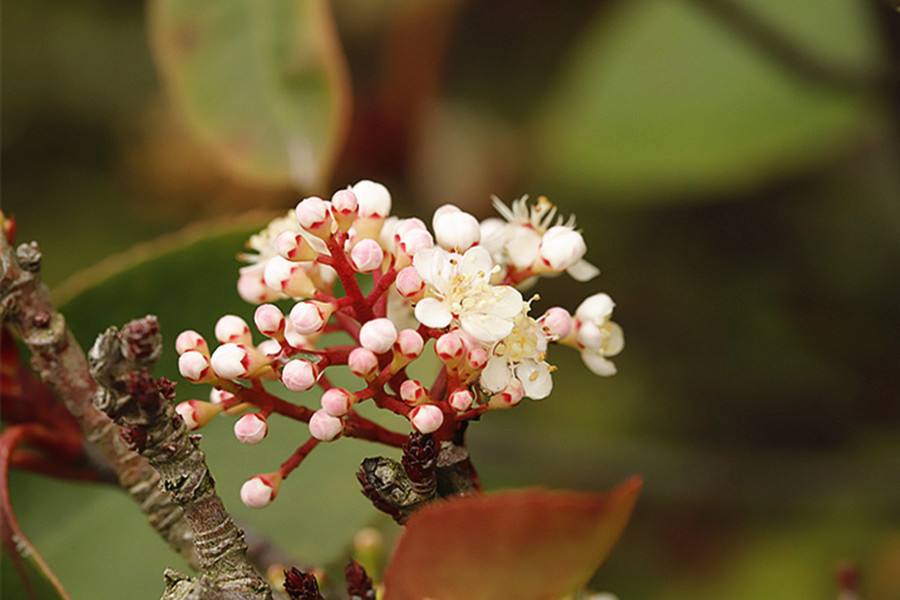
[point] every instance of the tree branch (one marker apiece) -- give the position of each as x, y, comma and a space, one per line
142, 405
60, 362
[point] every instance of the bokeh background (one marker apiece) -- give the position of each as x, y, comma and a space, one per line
734, 166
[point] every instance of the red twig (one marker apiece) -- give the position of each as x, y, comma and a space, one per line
294, 460
348, 278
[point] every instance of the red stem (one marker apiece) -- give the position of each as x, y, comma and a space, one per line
294, 460
347, 276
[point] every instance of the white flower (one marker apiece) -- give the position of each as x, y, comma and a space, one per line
520, 356
526, 228
458, 288
373, 199
597, 336
455, 229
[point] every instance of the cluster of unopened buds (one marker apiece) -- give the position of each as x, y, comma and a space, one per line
457, 287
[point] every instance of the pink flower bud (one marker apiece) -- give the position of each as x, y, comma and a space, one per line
260, 490
292, 246
314, 215
295, 339
409, 283
455, 229
232, 329
509, 397
426, 418
378, 335
477, 357
298, 375
449, 347
233, 361
310, 317
191, 340
374, 200
404, 226
461, 400
194, 367
413, 392
363, 363
557, 322
217, 396
196, 413
337, 401
252, 288
409, 344
271, 349
269, 320
288, 277
561, 247
415, 240
251, 428
325, 427
366, 256
344, 203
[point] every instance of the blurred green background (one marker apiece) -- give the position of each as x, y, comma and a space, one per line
734, 166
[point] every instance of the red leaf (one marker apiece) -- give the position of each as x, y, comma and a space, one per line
530, 544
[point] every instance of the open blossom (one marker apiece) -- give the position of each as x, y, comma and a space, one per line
459, 289
598, 337
520, 356
524, 242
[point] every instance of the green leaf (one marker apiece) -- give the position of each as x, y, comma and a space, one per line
661, 101
94, 533
518, 544
263, 84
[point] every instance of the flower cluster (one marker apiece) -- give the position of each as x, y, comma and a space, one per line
457, 286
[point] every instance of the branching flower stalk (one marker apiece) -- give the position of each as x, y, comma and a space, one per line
457, 287
142, 406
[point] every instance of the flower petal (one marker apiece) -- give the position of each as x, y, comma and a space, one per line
496, 374
583, 271
508, 302
535, 378
523, 246
615, 339
433, 313
424, 261
485, 328
598, 364
476, 263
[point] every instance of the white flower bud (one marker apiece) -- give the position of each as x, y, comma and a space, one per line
509, 397
232, 329
366, 256
414, 241
310, 317
477, 357
557, 322
562, 247
378, 335
233, 361
426, 418
271, 349
314, 215
260, 490
413, 392
461, 400
449, 347
589, 335
455, 229
288, 277
217, 396
269, 320
194, 367
362, 362
337, 401
292, 246
252, 288
344, 205
251, 428
191, 340
325, 427
409, 283
374, 200
298, 375
196, 414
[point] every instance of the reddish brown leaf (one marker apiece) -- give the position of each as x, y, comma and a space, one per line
530, 544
